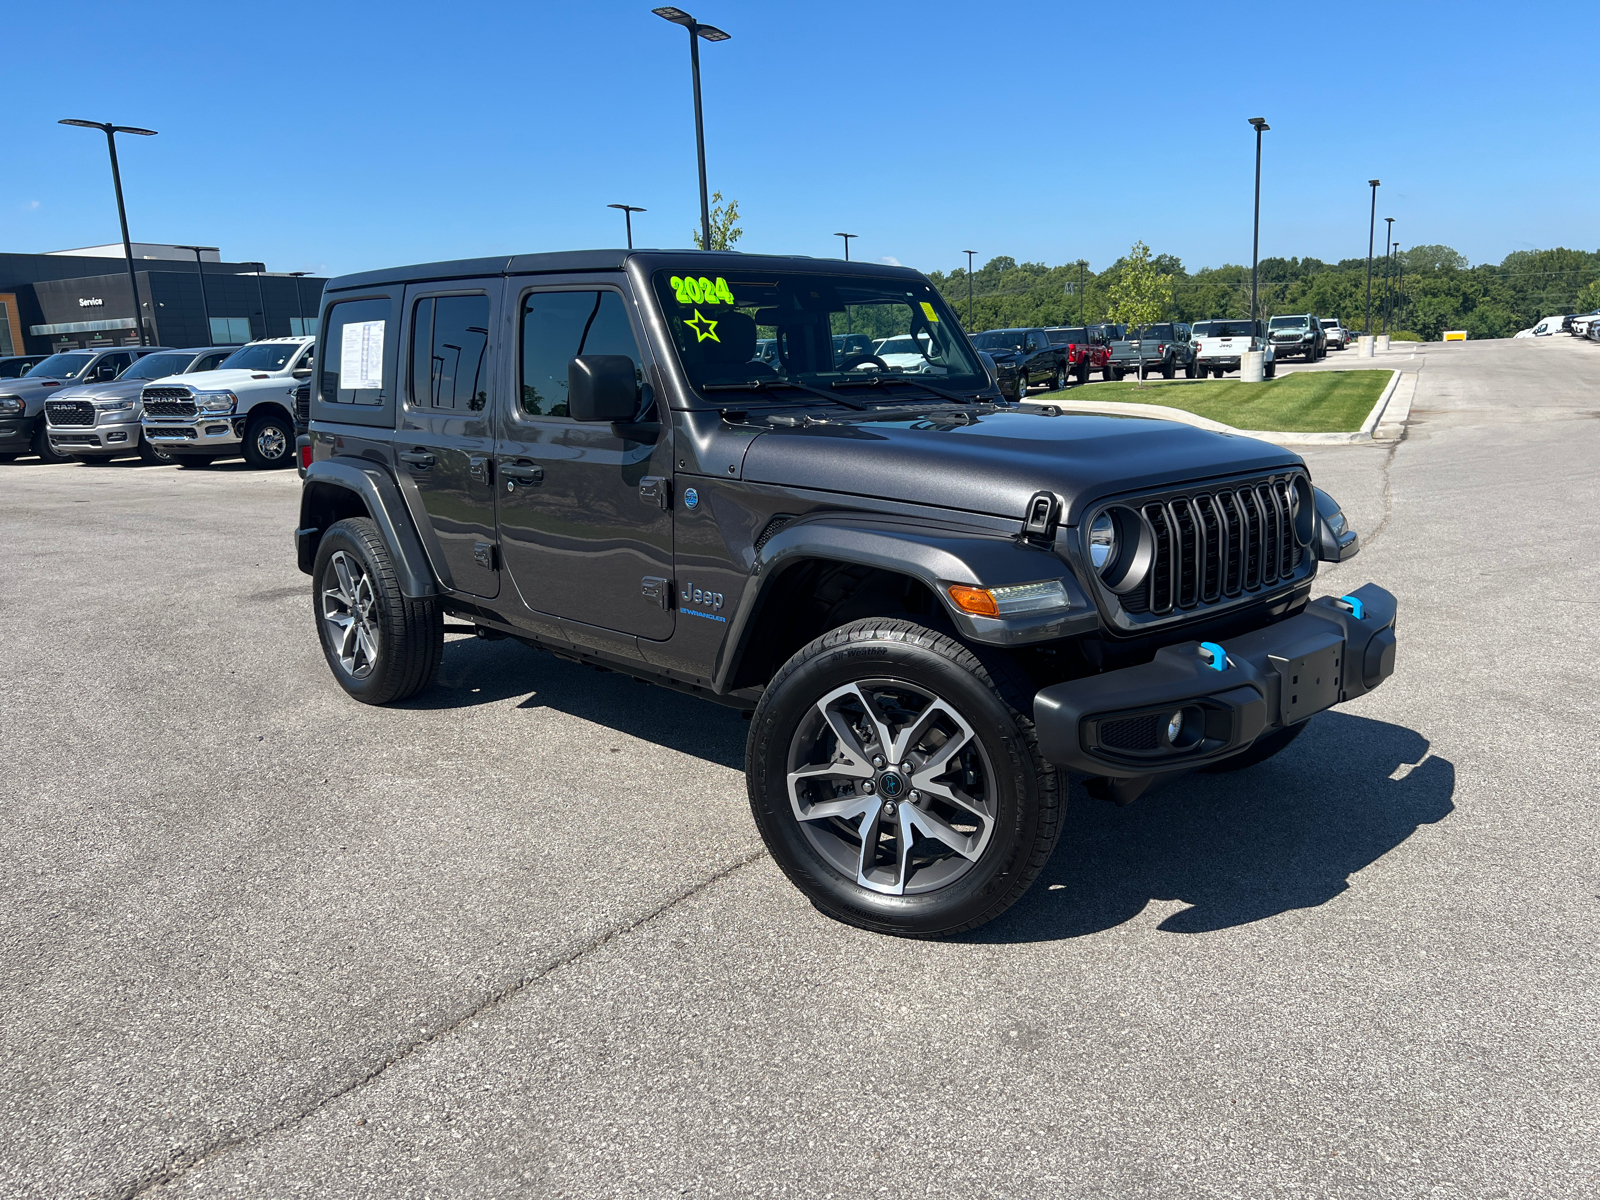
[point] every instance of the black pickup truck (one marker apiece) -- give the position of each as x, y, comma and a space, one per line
933, 604
1024, 357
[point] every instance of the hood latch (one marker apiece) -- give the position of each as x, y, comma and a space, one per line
1044, 510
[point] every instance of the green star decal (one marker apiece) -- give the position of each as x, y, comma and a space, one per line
702, 327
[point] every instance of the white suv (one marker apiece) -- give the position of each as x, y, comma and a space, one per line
243, 407
1338, 335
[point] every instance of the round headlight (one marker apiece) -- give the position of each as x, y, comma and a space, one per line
1102, 542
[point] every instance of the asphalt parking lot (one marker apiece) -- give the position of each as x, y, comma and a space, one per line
518, 937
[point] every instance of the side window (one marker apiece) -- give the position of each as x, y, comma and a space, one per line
110, 366
555, 328
210, 362
353, 370
308, 360
449, 352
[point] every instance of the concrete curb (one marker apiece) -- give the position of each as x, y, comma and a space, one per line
1375, 428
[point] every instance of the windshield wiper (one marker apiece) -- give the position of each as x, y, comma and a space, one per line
880, 380
762, 385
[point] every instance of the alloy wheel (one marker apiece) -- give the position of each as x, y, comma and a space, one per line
891, 786
349, 607
271, 442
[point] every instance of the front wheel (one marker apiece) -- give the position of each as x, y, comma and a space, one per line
152, 454
46, 452
269, 442
380, 646
896, 780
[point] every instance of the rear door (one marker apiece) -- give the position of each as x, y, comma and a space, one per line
444, 439
585, 518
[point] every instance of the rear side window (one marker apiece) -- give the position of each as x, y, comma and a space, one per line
449, 352
559, 326
353, 370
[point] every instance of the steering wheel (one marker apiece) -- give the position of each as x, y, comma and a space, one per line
852, 361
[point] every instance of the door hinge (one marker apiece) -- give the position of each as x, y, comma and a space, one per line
481, 468
657, 590
653, 489
486, 555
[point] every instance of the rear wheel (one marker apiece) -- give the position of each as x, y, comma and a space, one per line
1270, 370
1169, 369
1083, 372
1061, 378
269, 441
1263, 749
896, 780
1110, 374
1216, 372
380, 646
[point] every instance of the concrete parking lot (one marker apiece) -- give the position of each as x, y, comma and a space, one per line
518, 937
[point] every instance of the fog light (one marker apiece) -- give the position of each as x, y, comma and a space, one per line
216, 430
116, 437
1175, 727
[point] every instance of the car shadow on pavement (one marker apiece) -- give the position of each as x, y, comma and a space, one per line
1241, 847
476, 671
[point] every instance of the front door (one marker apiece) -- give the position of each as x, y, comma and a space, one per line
584, 537
445, 440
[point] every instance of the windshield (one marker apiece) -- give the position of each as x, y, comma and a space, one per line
261, 356
1287, 323
811, 327
154, 366
62, 366
1000, 339
1222, 329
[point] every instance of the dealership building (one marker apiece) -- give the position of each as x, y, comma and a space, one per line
75, 299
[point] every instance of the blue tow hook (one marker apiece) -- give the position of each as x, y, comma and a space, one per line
1356, 607
1219, 656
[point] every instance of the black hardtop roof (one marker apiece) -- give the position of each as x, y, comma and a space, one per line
576, 261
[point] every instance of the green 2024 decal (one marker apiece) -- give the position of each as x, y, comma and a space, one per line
702, 290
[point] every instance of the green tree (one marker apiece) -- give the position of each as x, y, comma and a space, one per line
725, 229
1141, 293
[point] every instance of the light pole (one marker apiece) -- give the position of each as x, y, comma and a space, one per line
261, 298
299, 307
1372, 228
1081, 266
627, 215
1259, 124
846, 237
205, 304
111, 132
711, 34
969, 254
1400, 267
1388, 263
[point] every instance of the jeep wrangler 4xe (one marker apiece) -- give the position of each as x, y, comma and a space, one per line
932, 604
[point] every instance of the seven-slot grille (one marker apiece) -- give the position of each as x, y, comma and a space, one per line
1217, 545
302, 407
70, 412
168, 402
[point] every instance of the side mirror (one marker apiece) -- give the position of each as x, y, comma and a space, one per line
602, 387
302, 373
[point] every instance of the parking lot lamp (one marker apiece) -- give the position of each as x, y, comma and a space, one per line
846, 237
1388, 268
1259, 124
1400, 269
1081, 266
111, 132
299, 306
711, 34
969, 254
627, 215
205, 304
1372, 229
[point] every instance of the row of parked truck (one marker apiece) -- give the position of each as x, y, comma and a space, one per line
189, 406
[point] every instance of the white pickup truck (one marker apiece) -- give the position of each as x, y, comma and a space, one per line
1338, 335
245, 406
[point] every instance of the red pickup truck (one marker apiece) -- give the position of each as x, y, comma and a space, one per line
1085, 352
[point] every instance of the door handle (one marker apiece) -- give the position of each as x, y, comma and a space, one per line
418, 458
525, 474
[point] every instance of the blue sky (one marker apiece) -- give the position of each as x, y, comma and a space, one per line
335, 137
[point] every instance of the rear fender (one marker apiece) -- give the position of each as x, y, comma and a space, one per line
332, 489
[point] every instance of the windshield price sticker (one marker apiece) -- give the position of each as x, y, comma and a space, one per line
702, 290
927, 311
361, 356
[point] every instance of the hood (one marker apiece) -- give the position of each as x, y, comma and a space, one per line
117, 390
214, 381
32, 389
995, 464
1005, 356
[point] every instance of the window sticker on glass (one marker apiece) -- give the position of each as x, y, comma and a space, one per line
703, 328
701, 291
361, 355
927, 311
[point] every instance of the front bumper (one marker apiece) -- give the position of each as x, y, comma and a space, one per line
1115, 725
203, 435
16, 433
94, 439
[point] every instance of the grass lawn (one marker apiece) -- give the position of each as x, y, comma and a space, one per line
1305, 402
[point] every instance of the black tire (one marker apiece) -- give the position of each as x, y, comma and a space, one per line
1083, 372
42, 447
1270, 371
5, 458
1263, 749
1217, 372
1169, 369
269, 442
394, 645
944, 890
194, 461
153, 454
1109, 374
1189, 371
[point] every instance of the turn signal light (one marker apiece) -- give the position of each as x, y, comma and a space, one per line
977, 601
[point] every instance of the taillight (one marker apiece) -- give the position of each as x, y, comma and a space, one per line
305, 456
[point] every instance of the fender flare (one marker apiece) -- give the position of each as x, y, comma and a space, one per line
933, 557
378, 493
